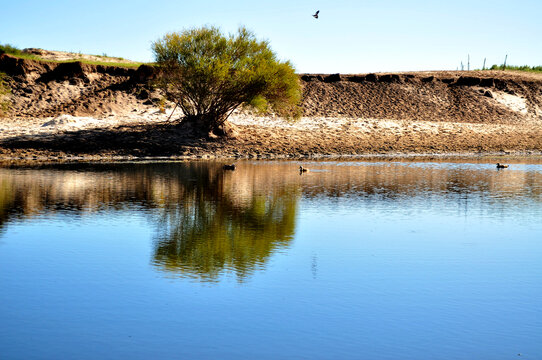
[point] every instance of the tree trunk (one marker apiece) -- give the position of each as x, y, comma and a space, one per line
207, 126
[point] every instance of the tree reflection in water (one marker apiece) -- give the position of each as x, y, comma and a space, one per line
210, 222
216, 229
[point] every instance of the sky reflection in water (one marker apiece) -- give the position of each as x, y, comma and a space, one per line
379, 260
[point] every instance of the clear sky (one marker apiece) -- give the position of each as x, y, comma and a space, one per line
349, 37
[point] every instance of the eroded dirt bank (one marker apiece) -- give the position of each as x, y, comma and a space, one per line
74, 109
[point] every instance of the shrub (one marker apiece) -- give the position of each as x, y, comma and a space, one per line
209, 75
9, 49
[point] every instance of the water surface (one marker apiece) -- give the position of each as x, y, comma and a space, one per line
358, 259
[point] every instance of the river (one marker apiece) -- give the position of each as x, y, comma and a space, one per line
373, 259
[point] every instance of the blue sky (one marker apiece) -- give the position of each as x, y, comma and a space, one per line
349, 37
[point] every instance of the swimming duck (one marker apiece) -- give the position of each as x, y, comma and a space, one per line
302, 169
501, 166
229, 167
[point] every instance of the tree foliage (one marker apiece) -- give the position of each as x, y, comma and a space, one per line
210, 75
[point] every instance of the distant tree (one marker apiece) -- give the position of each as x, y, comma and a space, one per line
209, 75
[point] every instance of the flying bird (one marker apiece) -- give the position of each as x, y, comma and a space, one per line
316, 15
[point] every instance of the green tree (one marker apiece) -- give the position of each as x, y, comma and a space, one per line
210, 75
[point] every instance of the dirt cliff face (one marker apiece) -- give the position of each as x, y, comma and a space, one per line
41, 89
480, 97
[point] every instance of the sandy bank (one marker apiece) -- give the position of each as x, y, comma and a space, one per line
148, 134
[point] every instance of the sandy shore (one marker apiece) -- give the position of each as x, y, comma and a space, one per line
147, 133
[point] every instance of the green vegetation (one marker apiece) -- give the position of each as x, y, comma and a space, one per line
12, 50
209, 75
517, 68
106, 63
4, 90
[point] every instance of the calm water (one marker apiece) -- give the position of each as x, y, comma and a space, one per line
354, 260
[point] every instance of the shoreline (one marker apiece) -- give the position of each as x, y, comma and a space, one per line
84, 112
69, 138
392, 156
